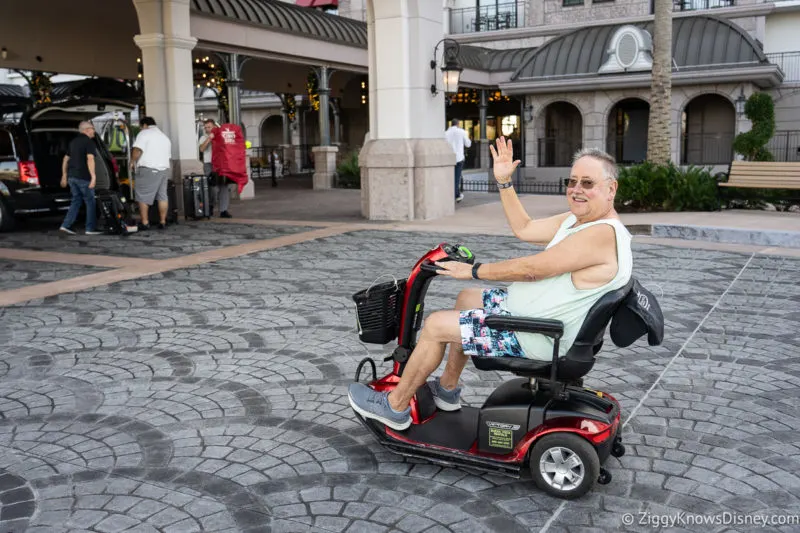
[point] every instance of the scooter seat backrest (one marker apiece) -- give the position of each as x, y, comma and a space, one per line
638, 315
633, 312
590, 336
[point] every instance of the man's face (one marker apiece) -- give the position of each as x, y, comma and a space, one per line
88, 131
207, 127
589, 194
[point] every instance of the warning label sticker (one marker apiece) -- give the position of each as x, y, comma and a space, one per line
501, 438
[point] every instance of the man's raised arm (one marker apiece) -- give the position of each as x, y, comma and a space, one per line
539, 231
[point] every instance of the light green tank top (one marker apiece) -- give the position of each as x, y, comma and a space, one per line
557, 298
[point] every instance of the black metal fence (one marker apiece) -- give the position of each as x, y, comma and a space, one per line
785, 146
789, 63
707, 148
500, 16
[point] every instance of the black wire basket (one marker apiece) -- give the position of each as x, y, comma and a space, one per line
378, 311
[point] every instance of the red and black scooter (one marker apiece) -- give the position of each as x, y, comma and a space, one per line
545, 419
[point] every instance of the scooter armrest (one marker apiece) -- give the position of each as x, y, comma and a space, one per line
544, 326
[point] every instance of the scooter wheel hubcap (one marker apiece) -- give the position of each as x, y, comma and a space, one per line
562, 468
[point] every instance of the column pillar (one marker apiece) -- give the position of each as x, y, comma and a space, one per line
155, 92
287, 139
234, 63
299, 148
166, 43
324, 154
336, 123
484, 142
234, 84
406, 165
286, 143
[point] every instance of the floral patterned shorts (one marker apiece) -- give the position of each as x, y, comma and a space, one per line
478, 339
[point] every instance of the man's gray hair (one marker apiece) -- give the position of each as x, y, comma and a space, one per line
609, 165
84, 125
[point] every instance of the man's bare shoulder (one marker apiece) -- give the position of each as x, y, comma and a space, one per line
542, 230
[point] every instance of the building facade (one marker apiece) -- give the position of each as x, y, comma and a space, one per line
578, 74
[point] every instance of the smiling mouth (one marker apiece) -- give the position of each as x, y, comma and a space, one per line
580, 200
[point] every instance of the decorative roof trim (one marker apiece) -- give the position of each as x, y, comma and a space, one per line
764, 76
288, 18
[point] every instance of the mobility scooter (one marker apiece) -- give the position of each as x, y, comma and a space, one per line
545, 419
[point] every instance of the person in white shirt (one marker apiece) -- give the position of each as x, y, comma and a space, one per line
458, 140
151, 157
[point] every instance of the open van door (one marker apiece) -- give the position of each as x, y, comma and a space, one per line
51, 128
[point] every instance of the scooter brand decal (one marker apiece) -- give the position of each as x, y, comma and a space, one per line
501, 435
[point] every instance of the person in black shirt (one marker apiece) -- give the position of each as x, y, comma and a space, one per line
77, 172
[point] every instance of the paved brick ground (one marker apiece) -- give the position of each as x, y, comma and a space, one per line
186, 237
16, 274
213, 399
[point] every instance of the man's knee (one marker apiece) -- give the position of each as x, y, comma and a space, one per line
470, 298
442, 326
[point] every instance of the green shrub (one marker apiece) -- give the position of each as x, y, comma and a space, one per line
349, 173
760, 109
651, 187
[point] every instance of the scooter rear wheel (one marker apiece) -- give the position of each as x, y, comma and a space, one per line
564, 465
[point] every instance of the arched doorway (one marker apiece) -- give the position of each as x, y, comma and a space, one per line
708, 126
272, 131
628, 123
562, 134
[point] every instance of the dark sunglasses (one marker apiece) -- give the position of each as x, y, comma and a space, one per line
571, 183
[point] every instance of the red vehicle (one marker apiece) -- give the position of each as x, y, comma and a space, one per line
545, 419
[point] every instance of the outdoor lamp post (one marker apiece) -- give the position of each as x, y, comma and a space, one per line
740, 103
451, 70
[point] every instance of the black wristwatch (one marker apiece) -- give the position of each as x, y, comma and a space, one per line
475, 270
505, 185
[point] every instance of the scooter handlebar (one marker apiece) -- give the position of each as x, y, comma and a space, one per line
428, 266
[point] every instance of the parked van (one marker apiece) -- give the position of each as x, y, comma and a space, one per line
32, 150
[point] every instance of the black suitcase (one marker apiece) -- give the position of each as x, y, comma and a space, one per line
115, 213
196, 197
172, 208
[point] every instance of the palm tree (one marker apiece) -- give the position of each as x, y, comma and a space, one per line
658, 136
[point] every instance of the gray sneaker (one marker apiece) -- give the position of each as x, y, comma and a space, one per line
446, 400
372, 404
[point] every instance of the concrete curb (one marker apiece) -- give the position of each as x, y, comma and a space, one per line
783, 239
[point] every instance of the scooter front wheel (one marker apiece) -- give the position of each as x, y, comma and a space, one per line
564, 465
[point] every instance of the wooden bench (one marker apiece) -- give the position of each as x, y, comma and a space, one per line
763, 175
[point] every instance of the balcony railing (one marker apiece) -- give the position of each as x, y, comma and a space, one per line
785, 146
696, 5
707, 148
557, 151
789, 63
501, 16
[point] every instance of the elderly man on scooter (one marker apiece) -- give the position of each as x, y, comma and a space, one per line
588, 254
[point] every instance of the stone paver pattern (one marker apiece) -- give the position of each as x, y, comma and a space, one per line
186, 237
16, 274
213, 398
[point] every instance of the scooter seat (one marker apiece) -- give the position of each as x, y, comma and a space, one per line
518, 365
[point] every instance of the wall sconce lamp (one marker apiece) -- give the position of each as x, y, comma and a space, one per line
740, 103
528, 116
451, 70
4, 52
